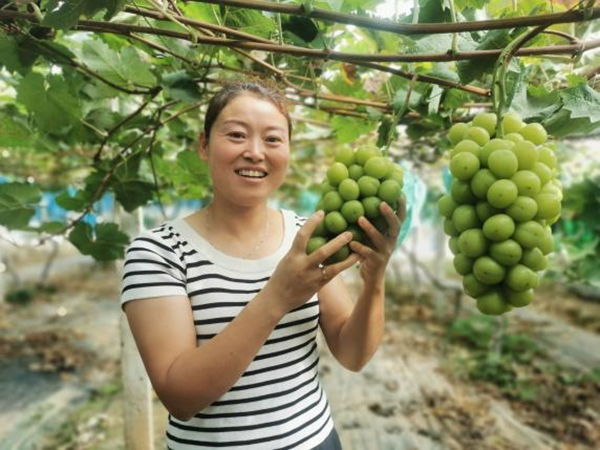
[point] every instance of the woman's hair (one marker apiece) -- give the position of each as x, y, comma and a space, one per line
260, 89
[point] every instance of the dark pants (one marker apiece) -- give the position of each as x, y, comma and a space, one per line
331, 443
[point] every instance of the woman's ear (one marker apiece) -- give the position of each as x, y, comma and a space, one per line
203, 146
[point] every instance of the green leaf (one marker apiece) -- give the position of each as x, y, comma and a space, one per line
133, 193
105, 243
582, 101
17, 204
531, 107
181, 86
9, 56
250, 21
52, 227
124, 68
49, 101
348, 129
13, 134
64, 14
302, 27
76, 203
475, 69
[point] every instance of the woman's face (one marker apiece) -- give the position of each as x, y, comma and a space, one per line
248, 150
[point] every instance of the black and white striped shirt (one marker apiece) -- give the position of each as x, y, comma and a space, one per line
279, 402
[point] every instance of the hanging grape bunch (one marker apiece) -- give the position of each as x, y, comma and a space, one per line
503, 198
355, 185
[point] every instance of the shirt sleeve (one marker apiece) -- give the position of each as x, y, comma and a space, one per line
151, 269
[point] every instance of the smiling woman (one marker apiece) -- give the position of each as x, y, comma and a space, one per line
225, 304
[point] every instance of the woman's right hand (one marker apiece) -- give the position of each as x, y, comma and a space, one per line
299, 276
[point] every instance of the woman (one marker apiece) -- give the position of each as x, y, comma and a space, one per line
225, 304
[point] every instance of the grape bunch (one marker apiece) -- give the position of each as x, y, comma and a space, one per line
355, 185
503, 198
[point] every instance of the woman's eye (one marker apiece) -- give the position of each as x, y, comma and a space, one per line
274, 139
236, 135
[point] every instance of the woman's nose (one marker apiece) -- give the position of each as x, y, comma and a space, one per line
254, 150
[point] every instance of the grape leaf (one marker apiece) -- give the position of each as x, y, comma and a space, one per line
49, 101
9, 56
17, 204
124, 67
582, 101
133, 193
181, 86
64, 14
475, 69
348, 129
13, 134
104, 243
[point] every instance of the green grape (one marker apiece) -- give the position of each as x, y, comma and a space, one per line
472, 243
487, 121
485, 210
467, 146
481, 183
332, 201
446, 206
477, 134
488, 271
522, 209
449, 228
377, 167
492, 303
502, 193
348, 189
389, 191
337, 173
535, 259
527, 154
499, 227
535, 133
464, 217
548, 206
346, 156
453, 245
493, 145
335, 222
521, 278
315, 243
529, 234
473, 286
528, 183
368, 186
543, 172
352, 210
507, 252
366, 152
456, 132
511, 123
462, 264
371, 207
355, 171
519, 299
461, 191
464, 165
503, 163
547, 157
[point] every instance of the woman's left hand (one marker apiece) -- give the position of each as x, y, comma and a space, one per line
374, 260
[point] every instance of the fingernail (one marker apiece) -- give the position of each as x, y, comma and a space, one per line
348, 236
319, 213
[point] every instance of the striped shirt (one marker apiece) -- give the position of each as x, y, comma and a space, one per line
278, 403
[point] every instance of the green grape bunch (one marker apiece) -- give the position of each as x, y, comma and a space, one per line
504, 197
354, 186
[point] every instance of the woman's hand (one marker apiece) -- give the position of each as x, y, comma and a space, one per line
373, 261
299, 276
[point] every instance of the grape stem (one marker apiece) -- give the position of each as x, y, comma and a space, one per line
399, 114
